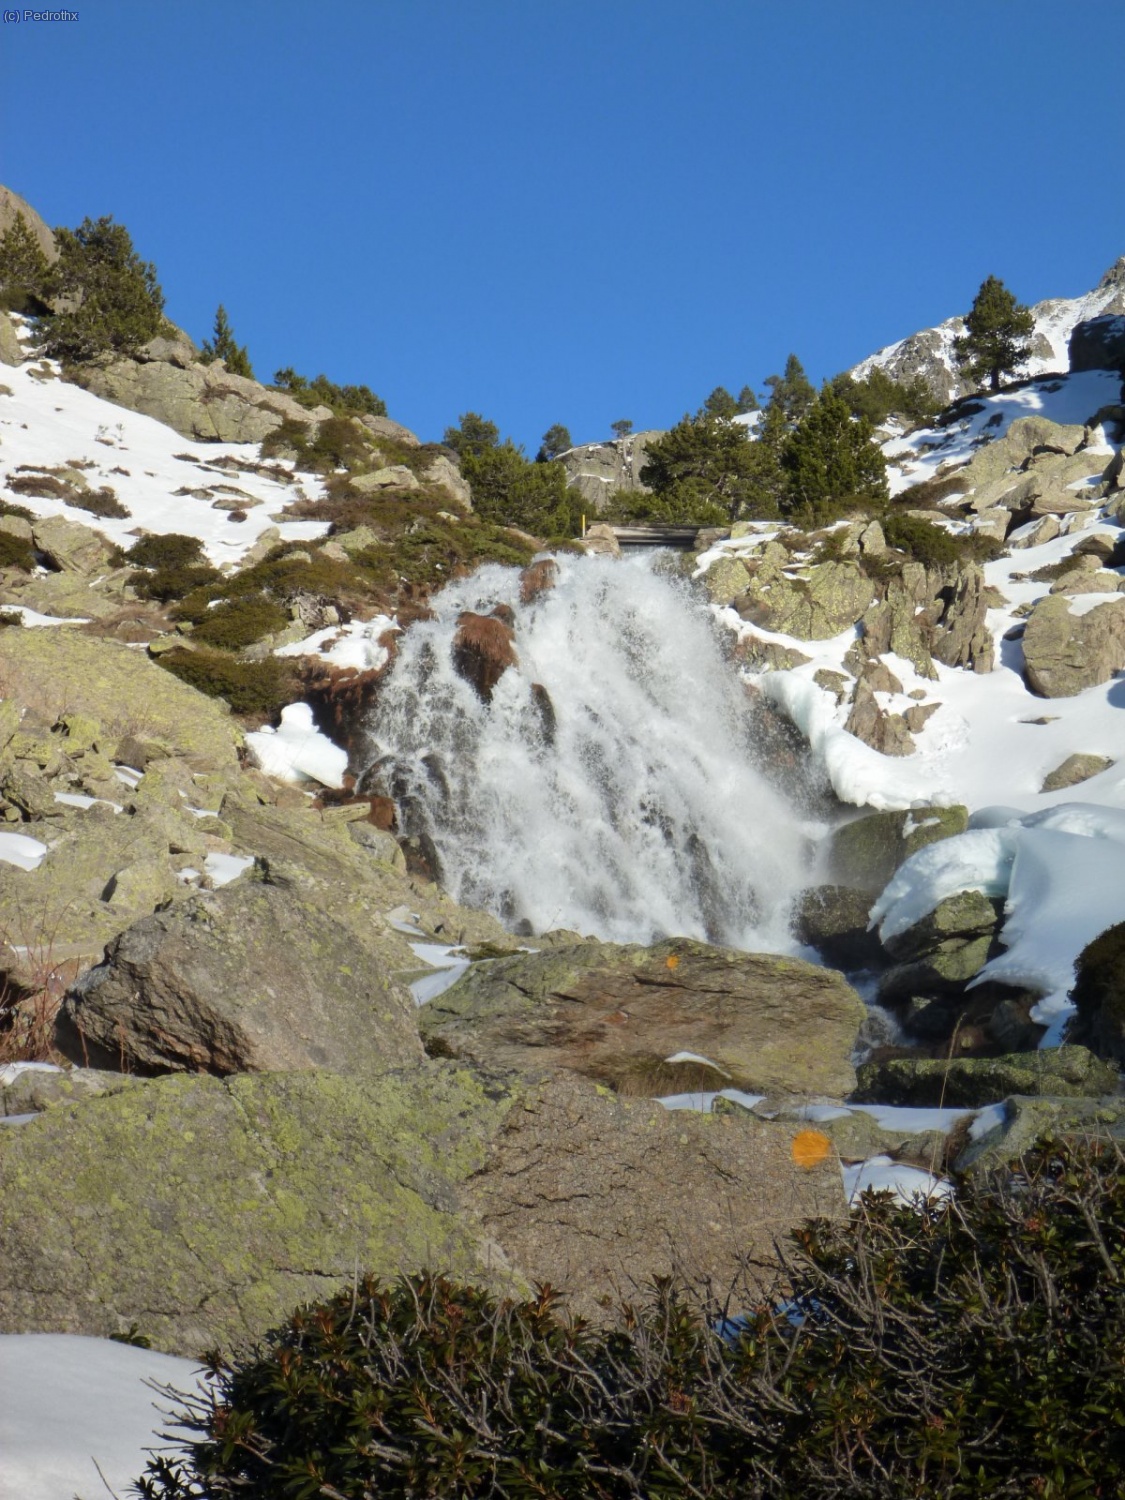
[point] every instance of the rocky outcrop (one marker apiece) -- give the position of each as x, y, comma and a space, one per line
1022, 1121
833, 596
870, 722
1099, 995
680, 1015
938, 955
834, 919
11, 350
598, 470
1099, 344
252, 978
203, 402
1074, 770
972, 1082
13, 207
1066, 652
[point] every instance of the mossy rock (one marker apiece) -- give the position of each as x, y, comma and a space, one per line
865, 853
1099, 994
972, 1082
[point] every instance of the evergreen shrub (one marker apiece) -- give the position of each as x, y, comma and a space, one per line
970, 1348
240, 622
168, 550
258, 689
16, 552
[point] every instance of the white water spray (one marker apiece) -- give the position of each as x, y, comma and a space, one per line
629, 806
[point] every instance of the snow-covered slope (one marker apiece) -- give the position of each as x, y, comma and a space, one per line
46, 423
930, 352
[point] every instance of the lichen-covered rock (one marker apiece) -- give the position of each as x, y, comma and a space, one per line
626, 1015
1073, 770
961, 637
833, 596
11, 350
34, 1089
972, 1082
726, 580
203, 1209
875, 726
598, 470
251, 978
1064, 653
1025, 1120
866, 852
833, 919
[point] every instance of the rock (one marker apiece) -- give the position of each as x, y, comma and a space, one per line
618, 1013
538, 578
1034, 533
872, 541
379, 843
204, 402
885, 732
1098, 344
939, 954
11, 350
483, 650
396, 477
13, 207
121, 689
203, 1210
896, 622
385, 427
1025, 1121
726, 580
1065, 653
598, 470
597, 1194
1075, 769
69, 547
972, 1082
866, 852
834, 596
254, 977
993, 523
600, 540
833, 919
967, 914
832, 682
769, 656
961, 635
444, 474
1099, 994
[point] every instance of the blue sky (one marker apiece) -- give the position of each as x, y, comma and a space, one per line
576, 210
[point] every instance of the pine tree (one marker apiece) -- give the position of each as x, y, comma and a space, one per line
791, 395
829, 461
747, 400
474, 435
556, 440
621, 428
24, 269
705, 470
223, 345
720, 403
112, 299
997, 334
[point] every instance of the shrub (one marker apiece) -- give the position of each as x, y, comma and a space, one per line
102, 502
969, 1349
260, 689
114, 301
705, 469
240, 623
344, 400
934, 546
170, 550
173, 582
16, 552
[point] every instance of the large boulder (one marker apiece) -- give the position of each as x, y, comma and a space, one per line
1022, 1121
1065, 652
832, 597
11, 350
250, 978
677, 1016
1099, 995
199, 401
202, 1210
866, 852
13, 207
972, 1082
598, 470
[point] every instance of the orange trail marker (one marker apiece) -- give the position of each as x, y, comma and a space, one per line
672, 961
810, 1148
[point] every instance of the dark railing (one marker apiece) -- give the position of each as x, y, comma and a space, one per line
682, 537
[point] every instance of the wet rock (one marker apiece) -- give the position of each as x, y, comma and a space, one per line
483, 650
972, 1082
833, 919
538, 578
621, 1014
1099, 994
600, 540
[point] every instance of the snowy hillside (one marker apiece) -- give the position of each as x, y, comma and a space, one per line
930, 351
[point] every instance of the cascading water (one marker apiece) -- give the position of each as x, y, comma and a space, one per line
609, 785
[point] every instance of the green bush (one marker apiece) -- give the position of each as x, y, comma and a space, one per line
259, 689
240, 622
173, 582
969, 1349
113, 300
16, 552
706, 469
932, 545
102, 502
830, 462
24, 271
170, 550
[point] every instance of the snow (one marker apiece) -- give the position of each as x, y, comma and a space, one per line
297, 751
20, 850
353, 645
11, 1071
880, 1174
77, 799
50, 423
32, 617
702, 1101
223, 868
73, 1410
449, 962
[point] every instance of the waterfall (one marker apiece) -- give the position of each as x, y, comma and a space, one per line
609, 786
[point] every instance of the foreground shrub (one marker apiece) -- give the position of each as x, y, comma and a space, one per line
968, 1350
257, 689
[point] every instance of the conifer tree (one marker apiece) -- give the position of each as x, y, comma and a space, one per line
24, 269
111, 299
720, 403
223, 345
621, 428
473, 435
556, 440
997, 336
704, 469
747, 401
829, 460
